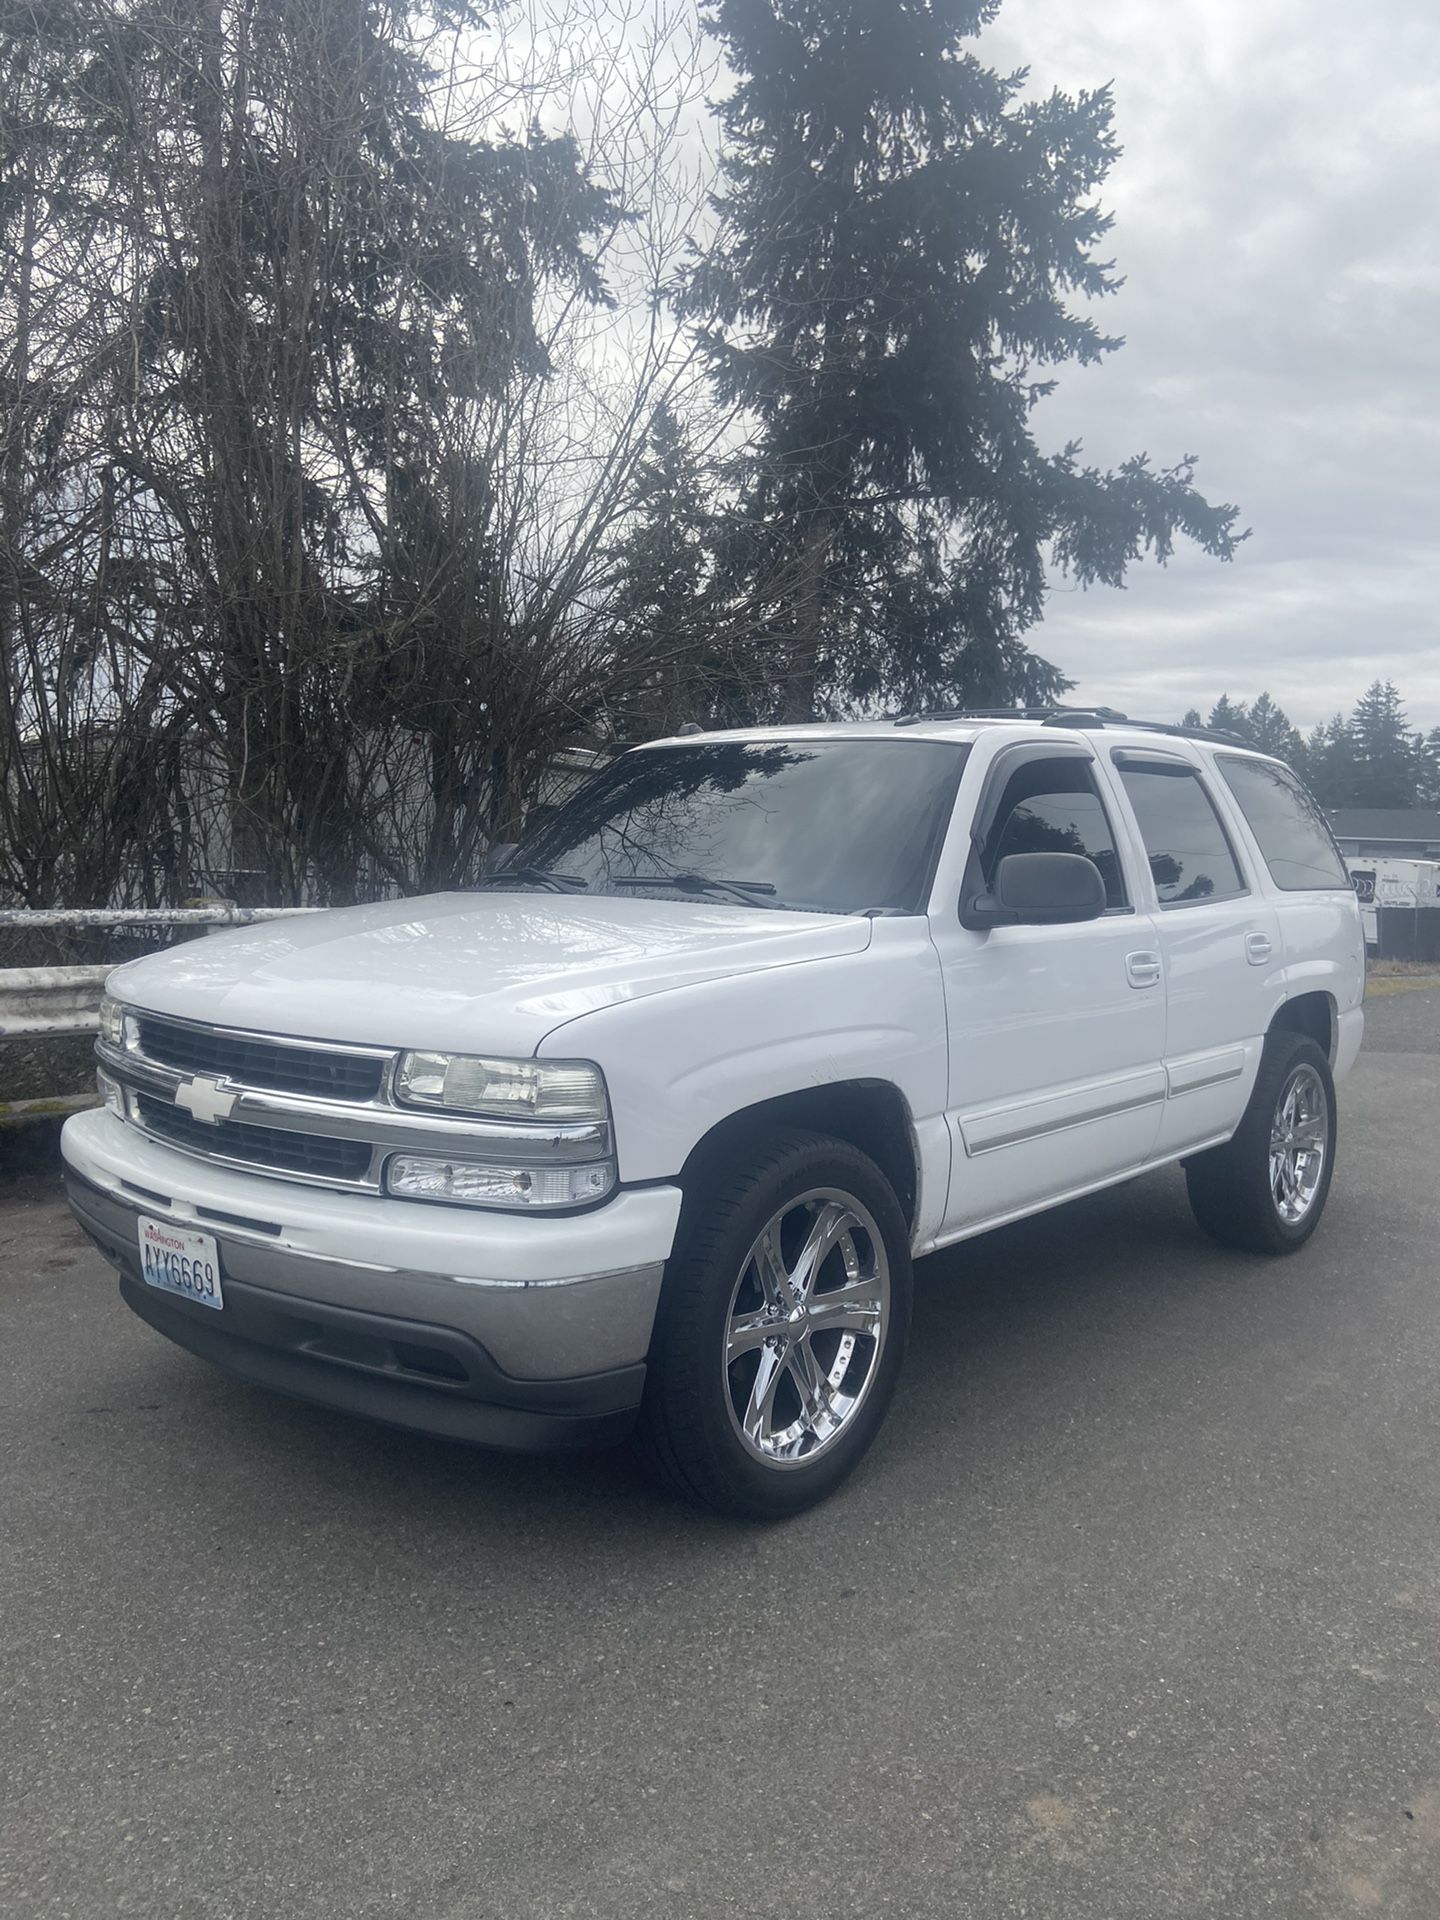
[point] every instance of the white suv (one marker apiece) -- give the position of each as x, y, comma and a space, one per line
652, 1124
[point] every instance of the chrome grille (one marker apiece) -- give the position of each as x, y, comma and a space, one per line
312, 1154
329, 1074
313, 1112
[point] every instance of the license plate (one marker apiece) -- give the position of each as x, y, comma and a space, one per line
180, 1262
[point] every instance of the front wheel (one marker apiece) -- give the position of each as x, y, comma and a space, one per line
781, 1330
1265, 1189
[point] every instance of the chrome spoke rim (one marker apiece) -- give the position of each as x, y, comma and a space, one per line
1299, 1144
805, 1327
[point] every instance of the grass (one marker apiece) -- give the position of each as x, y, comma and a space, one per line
1385, 978
14, 1112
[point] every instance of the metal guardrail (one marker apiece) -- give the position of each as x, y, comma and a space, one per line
87, 919
43, 1003
46, 1003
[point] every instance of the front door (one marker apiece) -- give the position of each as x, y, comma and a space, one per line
1056, 1033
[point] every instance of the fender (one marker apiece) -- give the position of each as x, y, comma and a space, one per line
680, 1063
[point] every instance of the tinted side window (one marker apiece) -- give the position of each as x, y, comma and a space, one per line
1190, 857
1291, 829
1053, 806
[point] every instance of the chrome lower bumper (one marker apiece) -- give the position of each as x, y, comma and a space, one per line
353, 1338
547, 1297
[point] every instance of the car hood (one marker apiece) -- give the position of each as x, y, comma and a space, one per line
477, 972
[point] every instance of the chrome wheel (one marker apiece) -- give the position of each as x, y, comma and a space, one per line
805, 1327
1299, 1142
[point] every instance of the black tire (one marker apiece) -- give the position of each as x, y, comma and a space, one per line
691, 1421
1231, 1189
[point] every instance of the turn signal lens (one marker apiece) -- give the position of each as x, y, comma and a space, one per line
112, 1022
470, 1183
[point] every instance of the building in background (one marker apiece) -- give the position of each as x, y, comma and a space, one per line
1384, 833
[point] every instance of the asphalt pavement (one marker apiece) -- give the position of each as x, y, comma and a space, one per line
1134, 1611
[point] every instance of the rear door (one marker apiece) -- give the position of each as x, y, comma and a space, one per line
1317, 901
1056, 1033
1218, 937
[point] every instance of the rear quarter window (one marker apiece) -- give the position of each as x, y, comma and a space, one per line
1293, 834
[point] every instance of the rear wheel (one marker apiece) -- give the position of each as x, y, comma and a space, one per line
1265, 1189
782, 1328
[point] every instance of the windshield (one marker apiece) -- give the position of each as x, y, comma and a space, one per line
832, 826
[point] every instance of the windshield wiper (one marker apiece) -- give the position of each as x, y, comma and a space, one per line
542, 877
745, 891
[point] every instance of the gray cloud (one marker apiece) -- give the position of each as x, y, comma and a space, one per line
1276, 218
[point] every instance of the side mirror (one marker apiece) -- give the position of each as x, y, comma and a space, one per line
1038, 890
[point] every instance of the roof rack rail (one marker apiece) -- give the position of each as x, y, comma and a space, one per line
1080, 717
1192, 733
1046, 716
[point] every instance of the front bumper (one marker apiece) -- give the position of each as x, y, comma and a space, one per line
518, 1332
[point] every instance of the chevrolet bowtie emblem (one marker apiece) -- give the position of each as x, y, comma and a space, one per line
206, 1099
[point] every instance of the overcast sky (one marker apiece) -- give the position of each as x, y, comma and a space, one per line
1276, 219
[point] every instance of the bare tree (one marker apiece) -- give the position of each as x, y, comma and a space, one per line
336, 339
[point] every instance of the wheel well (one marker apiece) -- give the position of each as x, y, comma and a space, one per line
1312, 1014
869, 1114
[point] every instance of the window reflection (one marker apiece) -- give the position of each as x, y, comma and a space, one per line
1294, 834
833, 826
1189, 853
1053, 807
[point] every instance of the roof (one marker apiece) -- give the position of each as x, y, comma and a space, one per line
1385, 823
818, 730
1038, 724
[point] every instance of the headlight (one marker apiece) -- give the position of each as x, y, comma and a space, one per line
112, 1021
471, 1183
502, 1089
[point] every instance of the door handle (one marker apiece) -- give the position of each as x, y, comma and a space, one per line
1142, 969
1258, 948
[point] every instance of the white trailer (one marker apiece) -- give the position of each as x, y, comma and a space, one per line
1392, 883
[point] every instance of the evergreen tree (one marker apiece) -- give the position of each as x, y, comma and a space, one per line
1385, 771
901, 235
662, 565
1192, 718
1427, 768
1271, 729
1328, 763
1227, 716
